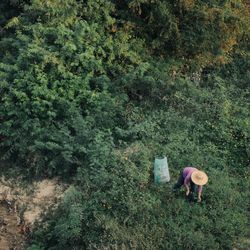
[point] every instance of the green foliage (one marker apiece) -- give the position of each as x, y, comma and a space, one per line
94, 90
52, 83
203, 31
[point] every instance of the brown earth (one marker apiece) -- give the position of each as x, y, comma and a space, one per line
21, 207
10, 236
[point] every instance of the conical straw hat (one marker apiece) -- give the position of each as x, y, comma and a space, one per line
199, 178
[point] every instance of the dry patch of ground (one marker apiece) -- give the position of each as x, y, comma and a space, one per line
21, 207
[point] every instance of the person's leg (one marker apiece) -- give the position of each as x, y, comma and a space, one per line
179, 182
193, 190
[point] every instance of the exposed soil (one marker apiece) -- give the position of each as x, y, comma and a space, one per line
11, 236
21, 207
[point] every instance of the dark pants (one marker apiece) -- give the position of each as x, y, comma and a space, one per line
180, 182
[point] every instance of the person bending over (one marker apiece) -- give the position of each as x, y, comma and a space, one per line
193, 180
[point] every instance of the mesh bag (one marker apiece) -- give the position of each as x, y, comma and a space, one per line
161, 171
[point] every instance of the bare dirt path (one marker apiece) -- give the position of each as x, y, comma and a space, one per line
22, 206
10, 235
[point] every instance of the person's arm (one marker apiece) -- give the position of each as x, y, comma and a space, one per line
187, 189
199, 193
186, 183
199, 196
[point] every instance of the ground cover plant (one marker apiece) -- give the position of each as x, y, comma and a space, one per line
91, 91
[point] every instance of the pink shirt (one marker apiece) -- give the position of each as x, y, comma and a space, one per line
187, 172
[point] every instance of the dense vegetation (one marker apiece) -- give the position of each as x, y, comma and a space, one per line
93, 90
